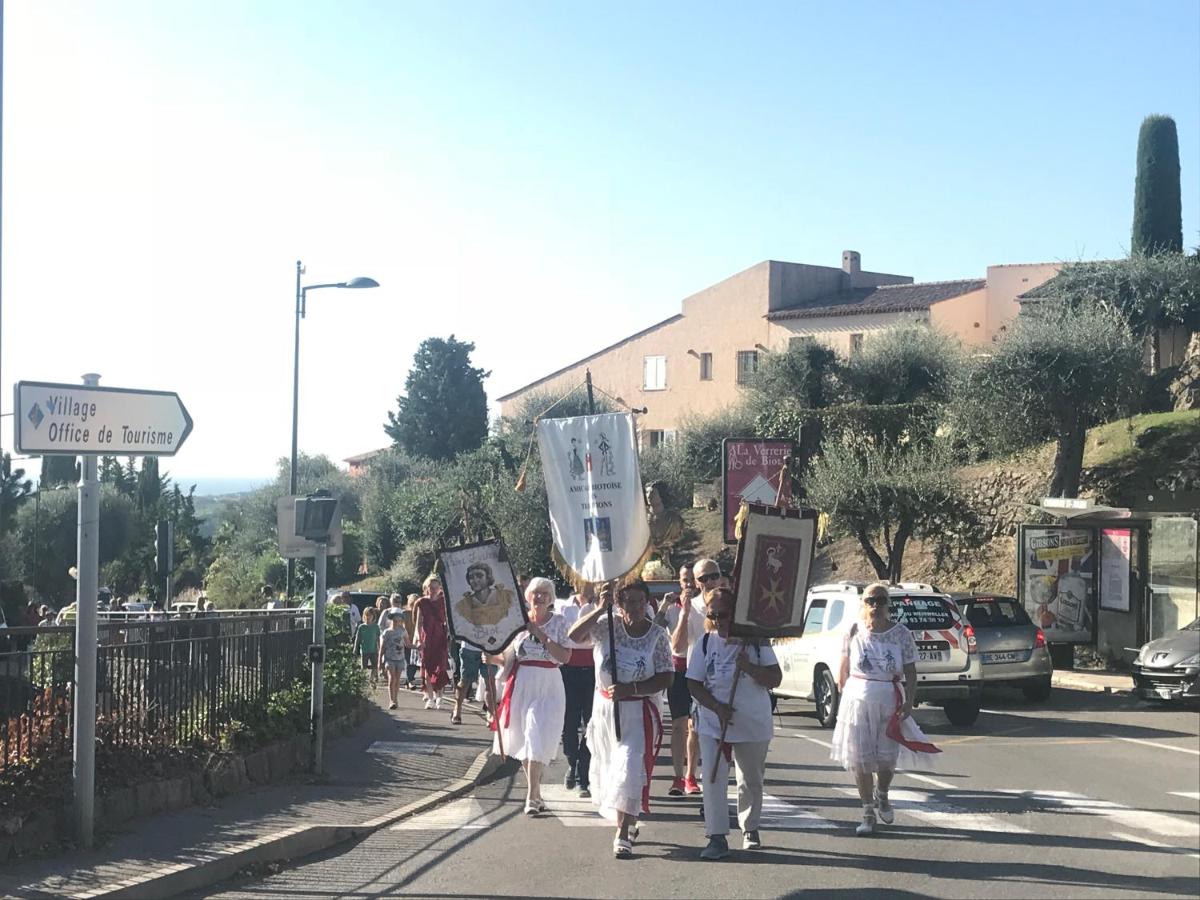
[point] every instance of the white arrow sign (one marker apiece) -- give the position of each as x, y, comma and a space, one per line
75, 420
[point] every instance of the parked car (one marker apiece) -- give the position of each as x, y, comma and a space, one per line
1168, 668
1011, 647
949, 671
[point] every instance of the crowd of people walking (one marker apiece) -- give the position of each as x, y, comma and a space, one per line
590, 673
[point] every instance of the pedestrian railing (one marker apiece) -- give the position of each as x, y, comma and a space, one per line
175, 682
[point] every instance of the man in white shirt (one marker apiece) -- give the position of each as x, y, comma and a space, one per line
682, 614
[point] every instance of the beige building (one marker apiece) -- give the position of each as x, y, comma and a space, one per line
695, 363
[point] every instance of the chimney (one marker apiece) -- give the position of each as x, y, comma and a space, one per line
852, 266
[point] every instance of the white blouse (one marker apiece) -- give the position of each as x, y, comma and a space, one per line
638, 658
528, 648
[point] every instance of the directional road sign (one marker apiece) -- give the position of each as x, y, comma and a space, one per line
76, 420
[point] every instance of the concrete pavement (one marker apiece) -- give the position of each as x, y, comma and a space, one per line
1087, 795
396, 764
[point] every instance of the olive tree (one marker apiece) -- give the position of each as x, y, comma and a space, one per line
885, 495
1057, 371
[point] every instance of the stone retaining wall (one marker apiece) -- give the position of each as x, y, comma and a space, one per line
36, 832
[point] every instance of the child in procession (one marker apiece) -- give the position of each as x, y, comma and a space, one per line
366, 644
392, 656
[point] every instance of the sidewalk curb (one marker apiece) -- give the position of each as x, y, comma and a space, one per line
295, 843
1080, 681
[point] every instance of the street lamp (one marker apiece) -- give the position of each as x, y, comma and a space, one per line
301, 306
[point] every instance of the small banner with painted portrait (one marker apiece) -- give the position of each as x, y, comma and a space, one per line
594, 491
484, 605
770, 575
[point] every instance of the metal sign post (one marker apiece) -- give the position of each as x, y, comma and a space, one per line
318, 654
87, 586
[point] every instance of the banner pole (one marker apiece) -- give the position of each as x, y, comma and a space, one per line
737, 674
490, 691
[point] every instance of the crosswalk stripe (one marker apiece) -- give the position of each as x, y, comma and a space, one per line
1160, 746
925, 778
1128, 817
1146, 842
1190, 795
570, 809
464, 813
781, 815
923, 807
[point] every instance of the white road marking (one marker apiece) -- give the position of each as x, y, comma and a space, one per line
464, 813
780, 815
569, 808
1127, 817
925, 778
1190, 795
922, 806
420, 747
813, 740
1145, 841
1160, 746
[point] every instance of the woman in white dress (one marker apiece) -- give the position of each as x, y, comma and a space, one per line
620, 771
530, 714
875, 731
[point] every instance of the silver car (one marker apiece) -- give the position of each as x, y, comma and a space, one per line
1013, 649
1169, 668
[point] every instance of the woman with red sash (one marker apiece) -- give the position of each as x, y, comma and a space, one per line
430, 628
530, 714
875, 731
620, 770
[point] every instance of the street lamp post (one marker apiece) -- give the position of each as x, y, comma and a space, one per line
301, 304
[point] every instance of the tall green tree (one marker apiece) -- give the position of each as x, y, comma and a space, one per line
443, 411
14, 491
1157, 209
59, 470
1057, 371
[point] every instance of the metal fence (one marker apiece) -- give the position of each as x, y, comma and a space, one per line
160, 682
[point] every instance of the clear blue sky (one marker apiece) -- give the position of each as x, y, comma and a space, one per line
541, 178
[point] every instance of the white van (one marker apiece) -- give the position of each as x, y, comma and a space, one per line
949, 670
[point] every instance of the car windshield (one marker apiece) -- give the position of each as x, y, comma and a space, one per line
996, 612
922, 613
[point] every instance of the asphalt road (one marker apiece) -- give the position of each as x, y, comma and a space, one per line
1085, 796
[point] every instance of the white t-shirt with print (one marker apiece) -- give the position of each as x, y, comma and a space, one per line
751, 707
695, 625
880, 655
571, 612
638, 658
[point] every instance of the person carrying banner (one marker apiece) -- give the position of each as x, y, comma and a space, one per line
621, 769
430, 627
738, 727
579, 683
875, 731
529, 715
682, 614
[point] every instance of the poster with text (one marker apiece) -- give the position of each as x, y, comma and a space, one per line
1114, 568
1057, 581
750, 472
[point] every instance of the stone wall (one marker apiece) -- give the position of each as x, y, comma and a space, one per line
1002, 497
40, 831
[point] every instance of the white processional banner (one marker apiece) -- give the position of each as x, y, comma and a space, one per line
594, 489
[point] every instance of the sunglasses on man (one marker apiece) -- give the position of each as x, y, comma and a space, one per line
708, 576
876, 601
717, 617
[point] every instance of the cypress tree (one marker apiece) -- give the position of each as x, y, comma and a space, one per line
1157, 209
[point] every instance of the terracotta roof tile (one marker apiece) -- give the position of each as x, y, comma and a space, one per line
883, 299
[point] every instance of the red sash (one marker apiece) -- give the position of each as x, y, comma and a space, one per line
510, 683
893, 726
651, 731
581, 657
680, 663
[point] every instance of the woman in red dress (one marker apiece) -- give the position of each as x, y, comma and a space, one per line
432, 641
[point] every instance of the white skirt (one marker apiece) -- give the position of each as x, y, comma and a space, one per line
535, 715
618, 775
860, 741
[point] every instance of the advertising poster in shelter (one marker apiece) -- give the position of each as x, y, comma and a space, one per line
484, 606
771, 573
750, 472
1057, 574
1114, 568
594, 492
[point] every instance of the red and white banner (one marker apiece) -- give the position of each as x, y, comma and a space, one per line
750, 472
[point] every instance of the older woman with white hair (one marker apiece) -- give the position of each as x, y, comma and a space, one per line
530, 714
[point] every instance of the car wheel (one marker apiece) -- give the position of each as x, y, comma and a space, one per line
962, 712
1038, 692
825, 692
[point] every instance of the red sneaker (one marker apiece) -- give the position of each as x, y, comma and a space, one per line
690, 786
678, 786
